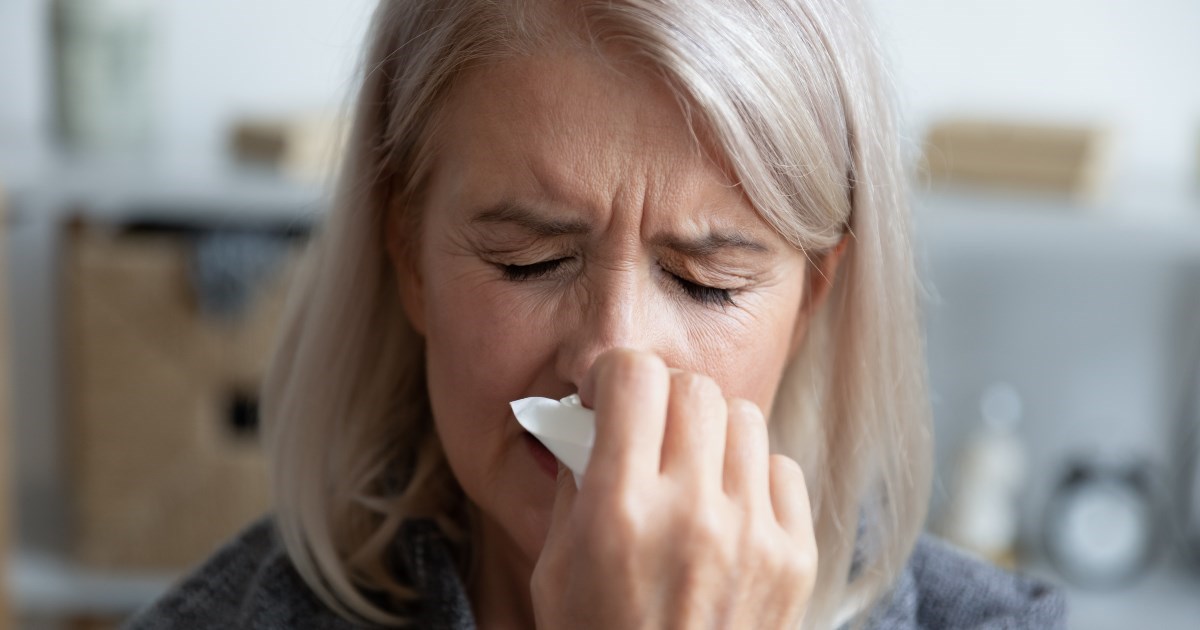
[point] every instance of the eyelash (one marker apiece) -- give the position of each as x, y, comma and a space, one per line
709, 296
518, 273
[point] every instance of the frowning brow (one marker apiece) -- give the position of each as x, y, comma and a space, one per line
711, 244
516, 214
541, 225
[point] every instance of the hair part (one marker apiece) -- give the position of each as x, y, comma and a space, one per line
792, 95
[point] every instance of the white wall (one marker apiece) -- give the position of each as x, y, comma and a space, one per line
1131, 64
225, 58
23, 88
213, 61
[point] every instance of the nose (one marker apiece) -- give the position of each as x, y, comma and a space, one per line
617, 313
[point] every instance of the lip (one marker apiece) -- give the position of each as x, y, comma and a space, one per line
541, 455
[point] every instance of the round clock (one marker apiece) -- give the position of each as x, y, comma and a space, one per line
1102, 523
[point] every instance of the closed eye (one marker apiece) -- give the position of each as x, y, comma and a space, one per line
517, 273
710, 296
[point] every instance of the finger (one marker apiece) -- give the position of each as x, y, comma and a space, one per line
747, 476
628, 391
789, 497
694, 437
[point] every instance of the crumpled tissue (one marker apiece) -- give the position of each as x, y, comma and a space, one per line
566, 427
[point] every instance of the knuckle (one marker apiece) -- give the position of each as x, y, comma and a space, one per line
790, 567
743, 410
746, 419
622, 520
600, 544
809, 559
800, 567
691, 384
632, 366
761, 545
706, 536
786, 467
705, 529
759, 555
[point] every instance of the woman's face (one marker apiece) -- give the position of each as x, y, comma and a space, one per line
570, 211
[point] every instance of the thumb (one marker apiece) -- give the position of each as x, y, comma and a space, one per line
559, 530
564, 497
551, 566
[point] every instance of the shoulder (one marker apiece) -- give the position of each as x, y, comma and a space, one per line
248, 583
943, 587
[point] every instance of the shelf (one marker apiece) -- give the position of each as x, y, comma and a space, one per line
41, 584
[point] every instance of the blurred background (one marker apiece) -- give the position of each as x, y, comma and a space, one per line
161, 164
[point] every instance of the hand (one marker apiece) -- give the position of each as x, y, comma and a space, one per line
683, 520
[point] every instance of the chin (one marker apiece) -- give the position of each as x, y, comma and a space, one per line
530, 534
516, 505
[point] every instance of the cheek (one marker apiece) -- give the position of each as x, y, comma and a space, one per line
748, 358
482, 347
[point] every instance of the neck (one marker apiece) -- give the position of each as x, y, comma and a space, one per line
499, 586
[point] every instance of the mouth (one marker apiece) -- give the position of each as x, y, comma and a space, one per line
541, 455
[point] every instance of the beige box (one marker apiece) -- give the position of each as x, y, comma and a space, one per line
305, 148
160, 465
1064, 159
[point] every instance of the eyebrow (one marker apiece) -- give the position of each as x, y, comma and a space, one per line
702, 247
509, 212
711, 244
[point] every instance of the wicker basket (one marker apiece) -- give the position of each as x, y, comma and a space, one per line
162, 454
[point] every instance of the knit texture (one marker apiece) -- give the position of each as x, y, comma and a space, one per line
251, 583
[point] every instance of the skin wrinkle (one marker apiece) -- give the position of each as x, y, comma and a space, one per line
529, 249
703, 260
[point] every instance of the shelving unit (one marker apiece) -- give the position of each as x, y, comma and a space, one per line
49, 584
6, 503
1080, 307
46, 586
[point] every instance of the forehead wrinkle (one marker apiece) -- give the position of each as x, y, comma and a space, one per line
625, 167
649, 187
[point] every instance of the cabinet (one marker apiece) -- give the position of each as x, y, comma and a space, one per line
128, 473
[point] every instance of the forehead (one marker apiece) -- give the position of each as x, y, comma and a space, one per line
582, 131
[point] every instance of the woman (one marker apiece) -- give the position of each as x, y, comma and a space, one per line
690, 213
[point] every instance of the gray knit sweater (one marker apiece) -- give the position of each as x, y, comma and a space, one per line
250, 583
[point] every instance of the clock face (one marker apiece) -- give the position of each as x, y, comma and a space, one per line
1101, 530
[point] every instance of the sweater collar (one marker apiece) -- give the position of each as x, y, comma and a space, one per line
429, 566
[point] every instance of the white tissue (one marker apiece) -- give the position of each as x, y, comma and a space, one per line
566, 427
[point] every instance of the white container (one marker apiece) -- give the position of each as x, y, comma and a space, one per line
103, 72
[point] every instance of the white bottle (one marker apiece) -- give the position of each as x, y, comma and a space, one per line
982, 515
